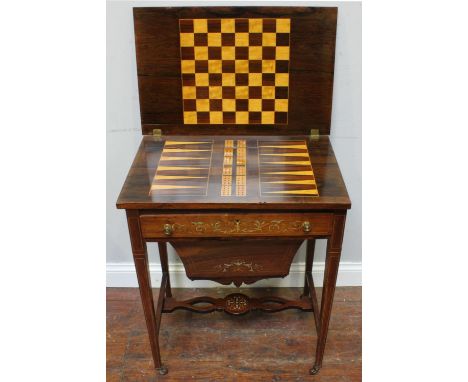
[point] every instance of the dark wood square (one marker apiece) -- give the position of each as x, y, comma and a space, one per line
186, 26
255, 39
215, 79
255, 92
229, 92
201, 66
255, 117
202, 92
255, 66
228, 39
214, 25
242, 52
268, 79
228, 66
242, 105
242, 25
216, 104
268, 104
242, 79
200, 39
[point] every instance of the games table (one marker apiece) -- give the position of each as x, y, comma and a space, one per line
235, 169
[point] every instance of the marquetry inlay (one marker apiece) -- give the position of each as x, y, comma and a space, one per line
285, 169
184, 168
235, 71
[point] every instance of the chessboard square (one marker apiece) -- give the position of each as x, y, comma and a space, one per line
229, 105
228, 26
242, 79
202, 92
269, 39
190, 117
281, 117
189, 92
281, 105
229, 92
186, 26
203, 105
242, 39
201, 39
255, 105
201, 53
214, 39
242, 66
268, 92
203, 117
214, 25
255, 92
216, 92
214, 53
269, 52
242, 53
255, 79
201, 79
282, 39
216, 117
186, 39
214, 66
255, 52
229, 79
242, 25
242, 105
268, 79
268, 66
200, 26
229, 66
188, 79
215, 79
187, 53
255, 25
255, 117
242, 117
228, 52
282, 52
190, 105
188, 66
283, 25
255, 39
255, 66
201, 66
268, 117
242, 92
268, 105
228, 39
282, 79
269, 25
282, 66
216, 105
229, 117
281, 92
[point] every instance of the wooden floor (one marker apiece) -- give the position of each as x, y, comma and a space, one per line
219, 347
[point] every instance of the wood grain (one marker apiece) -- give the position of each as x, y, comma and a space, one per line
312, 53
219, 347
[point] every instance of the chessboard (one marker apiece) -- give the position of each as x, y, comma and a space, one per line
234, 168
235, 71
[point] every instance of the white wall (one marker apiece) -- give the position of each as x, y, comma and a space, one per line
124, 135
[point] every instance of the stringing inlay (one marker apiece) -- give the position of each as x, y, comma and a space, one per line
235, 71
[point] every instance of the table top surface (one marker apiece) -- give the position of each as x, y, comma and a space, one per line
234, 172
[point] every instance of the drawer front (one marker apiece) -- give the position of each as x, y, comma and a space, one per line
236, 225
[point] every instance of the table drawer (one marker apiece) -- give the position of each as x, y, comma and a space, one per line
236, 224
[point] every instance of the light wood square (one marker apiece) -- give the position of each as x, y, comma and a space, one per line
242, 117
189, 92
188, 66
214, 39
283, 25
201, 53
186, 39
200, 26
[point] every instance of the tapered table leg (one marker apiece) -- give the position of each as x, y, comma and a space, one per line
309, 261
164, 265
140, 257
332, 263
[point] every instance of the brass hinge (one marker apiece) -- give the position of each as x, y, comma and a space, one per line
157, 132
314, 134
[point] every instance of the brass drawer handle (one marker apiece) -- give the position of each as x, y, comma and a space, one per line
168, 230
306, 227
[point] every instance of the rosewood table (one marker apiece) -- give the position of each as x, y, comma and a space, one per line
235, 169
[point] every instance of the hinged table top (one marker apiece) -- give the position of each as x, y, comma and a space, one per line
243, 172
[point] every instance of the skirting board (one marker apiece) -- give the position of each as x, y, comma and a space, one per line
123, 275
